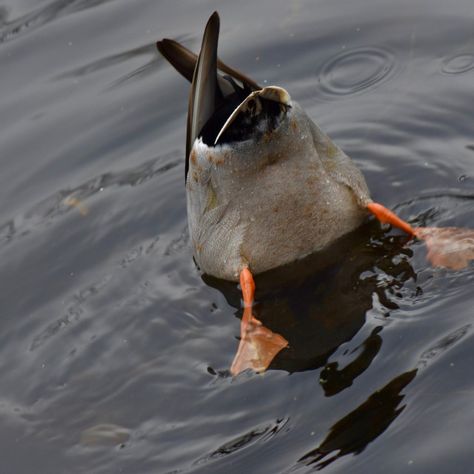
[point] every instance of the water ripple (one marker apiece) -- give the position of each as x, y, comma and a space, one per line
42, 16
458, 64
263, 433
65, 200
107, 61
354, 71
443, 345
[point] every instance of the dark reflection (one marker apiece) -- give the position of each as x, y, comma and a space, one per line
351, 434
321, 302
107, 61
334, 380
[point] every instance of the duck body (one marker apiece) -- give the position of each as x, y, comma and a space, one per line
276, 197
266, 187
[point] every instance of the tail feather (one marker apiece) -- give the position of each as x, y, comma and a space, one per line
209, 89
184, 61
181, 58
202, 99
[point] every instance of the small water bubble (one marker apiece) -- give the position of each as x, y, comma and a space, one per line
462, 178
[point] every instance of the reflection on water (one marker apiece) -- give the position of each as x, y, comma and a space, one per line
352, 434
333, 379
298, 301
114, 351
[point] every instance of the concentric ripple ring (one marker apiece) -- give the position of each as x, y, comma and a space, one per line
458, 64
354, 71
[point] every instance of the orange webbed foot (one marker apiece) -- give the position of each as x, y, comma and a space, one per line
258, 345
448, 247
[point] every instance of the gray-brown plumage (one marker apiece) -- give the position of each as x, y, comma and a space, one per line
265, 186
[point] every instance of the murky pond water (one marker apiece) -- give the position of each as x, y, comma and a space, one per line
114, 351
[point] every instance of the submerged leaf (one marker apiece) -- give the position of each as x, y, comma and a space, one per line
78, 204
105, 434
448, 247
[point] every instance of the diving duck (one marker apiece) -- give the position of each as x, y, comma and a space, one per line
265, 186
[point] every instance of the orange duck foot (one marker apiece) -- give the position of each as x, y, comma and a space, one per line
258, 345
448, 247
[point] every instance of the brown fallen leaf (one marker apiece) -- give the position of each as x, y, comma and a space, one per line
448, 247
258, 345
78, 204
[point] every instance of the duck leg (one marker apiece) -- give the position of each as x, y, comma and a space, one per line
448, 247
258, 345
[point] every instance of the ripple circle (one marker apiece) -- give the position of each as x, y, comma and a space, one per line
354, 71
458, 64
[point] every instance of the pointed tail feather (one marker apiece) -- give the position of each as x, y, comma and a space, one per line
184, 61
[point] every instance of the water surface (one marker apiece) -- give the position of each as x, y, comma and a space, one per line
114, 351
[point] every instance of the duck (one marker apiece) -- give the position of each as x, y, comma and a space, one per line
265, 186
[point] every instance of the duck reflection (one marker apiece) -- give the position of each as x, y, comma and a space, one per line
334, 380
352, 433
318, 303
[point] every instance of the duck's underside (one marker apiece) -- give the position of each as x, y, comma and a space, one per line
265, 186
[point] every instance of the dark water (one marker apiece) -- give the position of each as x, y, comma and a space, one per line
114, 351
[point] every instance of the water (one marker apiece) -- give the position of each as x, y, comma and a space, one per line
114, 351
